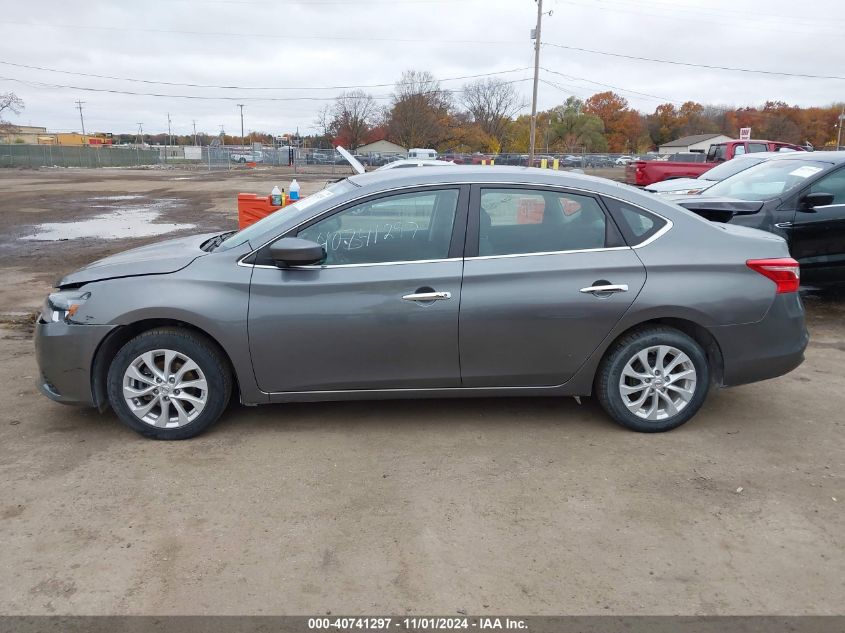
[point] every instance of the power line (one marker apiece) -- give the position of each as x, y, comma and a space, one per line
693, 65
42, 84
620, 89
347, 38
225, 87
673, 7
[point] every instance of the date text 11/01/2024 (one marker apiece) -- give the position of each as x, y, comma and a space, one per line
416, 624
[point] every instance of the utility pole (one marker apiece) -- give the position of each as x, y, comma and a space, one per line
167, 138
139, 140
241, 106
537, 30
839, 129
195, 131
81, 120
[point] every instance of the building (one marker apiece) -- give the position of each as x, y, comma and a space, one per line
697, 143
381, 147
74, 138
29, 134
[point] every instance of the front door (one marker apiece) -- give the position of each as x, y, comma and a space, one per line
548, 279
380, 313
818, 236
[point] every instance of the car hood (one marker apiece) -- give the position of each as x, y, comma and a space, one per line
154, 259
678, 185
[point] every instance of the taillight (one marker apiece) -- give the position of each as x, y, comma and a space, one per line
640, 175
784, 271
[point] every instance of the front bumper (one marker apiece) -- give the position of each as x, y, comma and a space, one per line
766, 349
65, 353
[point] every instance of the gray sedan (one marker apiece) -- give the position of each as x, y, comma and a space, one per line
430, 283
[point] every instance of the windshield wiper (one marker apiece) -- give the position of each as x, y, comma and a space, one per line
214, 242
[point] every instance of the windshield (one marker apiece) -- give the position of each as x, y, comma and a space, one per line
731, 167
767, 180
276, 219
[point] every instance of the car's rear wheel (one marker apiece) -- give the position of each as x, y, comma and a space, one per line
168, 384
653, 379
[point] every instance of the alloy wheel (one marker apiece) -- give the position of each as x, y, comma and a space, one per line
658, 382
165, 388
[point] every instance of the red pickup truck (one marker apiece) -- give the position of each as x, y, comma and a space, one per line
642, 173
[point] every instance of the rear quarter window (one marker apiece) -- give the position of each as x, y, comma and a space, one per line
637, 224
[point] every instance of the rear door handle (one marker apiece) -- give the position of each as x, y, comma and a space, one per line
428, 296
609, 288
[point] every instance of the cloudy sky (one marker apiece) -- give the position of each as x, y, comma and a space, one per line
295, 53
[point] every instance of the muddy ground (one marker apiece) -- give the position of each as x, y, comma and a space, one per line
485, 506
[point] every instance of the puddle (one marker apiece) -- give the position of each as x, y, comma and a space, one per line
117, 198
124, 222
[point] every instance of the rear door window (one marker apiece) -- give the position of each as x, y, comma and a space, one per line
758, 147
716, 153
523, 221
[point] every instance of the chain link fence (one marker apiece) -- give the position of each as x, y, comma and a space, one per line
324, 162
19, 155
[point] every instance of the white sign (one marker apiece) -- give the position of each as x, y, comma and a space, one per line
805, 172
744, 133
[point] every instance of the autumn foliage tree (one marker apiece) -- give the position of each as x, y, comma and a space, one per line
419, 115
623, 126
491, 102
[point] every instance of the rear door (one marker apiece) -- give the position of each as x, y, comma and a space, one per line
546, 277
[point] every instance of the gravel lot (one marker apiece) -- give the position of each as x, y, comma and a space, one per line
486, 506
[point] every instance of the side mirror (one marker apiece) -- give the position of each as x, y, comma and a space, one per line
812, 200
293, 251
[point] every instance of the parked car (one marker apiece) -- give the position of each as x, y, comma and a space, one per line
561, 285
246, 156
710, 177
598, 160
416, 162
623, 160
418, 152
642, 174
720, 152
799, 196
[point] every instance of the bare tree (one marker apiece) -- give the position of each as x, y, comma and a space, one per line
419, 116
10, 102
352, 118
492, 102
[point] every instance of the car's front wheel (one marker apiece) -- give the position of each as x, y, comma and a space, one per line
653, 379
169, 384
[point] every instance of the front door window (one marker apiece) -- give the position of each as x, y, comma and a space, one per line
407, 227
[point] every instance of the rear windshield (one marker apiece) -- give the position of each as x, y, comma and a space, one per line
728, 169
768, 180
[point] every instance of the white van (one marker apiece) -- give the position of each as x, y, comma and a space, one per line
422, 153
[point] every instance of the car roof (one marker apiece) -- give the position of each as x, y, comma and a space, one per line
831, 157
389, 178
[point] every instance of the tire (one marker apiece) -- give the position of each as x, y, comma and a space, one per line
195, 397
665, 348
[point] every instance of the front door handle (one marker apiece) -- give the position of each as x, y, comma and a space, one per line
605, 289
428, 296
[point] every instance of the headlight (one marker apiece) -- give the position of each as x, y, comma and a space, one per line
62, 305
